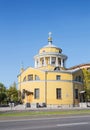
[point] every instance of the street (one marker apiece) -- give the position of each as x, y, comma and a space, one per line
48, 123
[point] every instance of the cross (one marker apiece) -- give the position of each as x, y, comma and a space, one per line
49, 34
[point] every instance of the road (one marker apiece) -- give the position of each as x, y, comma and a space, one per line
48, 123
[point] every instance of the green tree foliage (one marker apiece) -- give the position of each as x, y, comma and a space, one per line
86, 74
19, 96
12, 93
3, 95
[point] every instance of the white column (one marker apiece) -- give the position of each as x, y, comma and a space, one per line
38, 62
35, 63
56, 61
44, 61
50, 60
61, 62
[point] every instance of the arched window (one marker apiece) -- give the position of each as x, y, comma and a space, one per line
24, 79
78, 78
37, 77
30, 77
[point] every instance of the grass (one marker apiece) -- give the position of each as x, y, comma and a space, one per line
42, 113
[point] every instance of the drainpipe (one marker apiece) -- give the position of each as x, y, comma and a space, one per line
46, 88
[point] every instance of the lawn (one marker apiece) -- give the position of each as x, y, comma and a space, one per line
44, 112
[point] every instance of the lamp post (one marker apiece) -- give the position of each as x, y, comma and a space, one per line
11, 102
0, 94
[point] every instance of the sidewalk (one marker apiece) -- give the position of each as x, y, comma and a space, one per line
23, 108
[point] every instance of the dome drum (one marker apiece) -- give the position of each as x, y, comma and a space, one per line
52, 60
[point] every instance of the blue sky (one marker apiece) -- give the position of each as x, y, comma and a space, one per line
24, 27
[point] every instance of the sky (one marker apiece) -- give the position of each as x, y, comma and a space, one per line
24, 27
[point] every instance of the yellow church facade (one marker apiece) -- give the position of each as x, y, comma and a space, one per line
49, 82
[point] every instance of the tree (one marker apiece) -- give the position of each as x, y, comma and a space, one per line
12, 93
3, 95
86, 75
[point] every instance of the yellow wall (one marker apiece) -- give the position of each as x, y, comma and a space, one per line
48, 85
64, 76
30, 86
67, 94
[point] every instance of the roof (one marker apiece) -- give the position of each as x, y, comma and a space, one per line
79, 66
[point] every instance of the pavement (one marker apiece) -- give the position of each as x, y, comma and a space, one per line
23, 108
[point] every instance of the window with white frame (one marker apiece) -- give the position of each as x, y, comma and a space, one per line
58, 77
36, 93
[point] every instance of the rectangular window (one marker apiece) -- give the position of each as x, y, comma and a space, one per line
30, 77
58, 93
42, 61
53, 60
36, 93
59, 61
58, 77
76, 93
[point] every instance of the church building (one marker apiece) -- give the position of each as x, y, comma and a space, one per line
49, 83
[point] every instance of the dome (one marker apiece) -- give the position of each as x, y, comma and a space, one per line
50, 47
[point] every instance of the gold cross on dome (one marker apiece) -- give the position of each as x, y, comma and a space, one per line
49, 34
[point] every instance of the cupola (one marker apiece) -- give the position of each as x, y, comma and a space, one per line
50, 55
